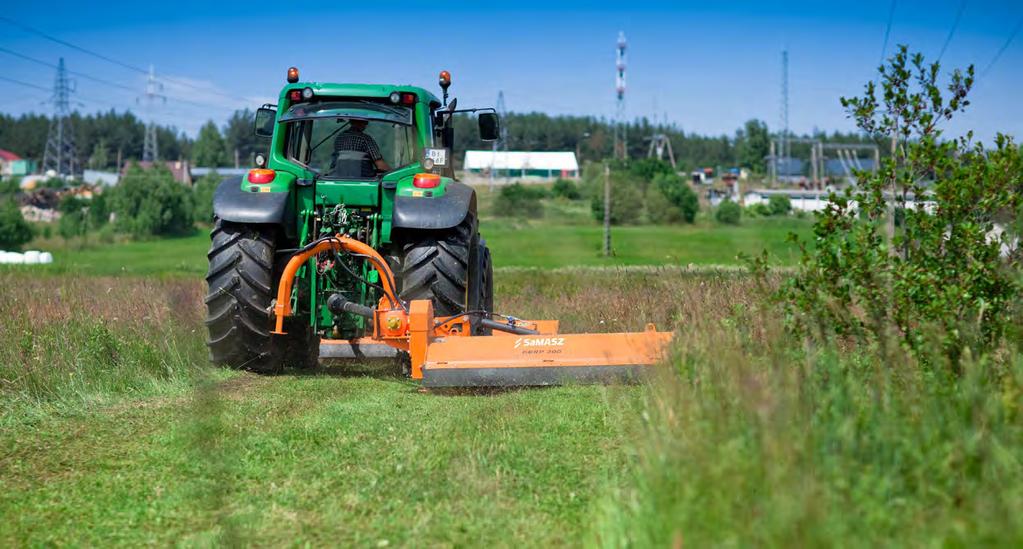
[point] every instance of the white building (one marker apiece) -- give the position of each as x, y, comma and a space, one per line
522, 165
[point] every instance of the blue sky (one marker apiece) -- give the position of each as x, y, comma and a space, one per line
704, 66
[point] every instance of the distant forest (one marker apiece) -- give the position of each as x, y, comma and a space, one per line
102, 138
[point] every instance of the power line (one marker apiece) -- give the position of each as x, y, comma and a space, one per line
887, 31
952, 31
26, 84
108, 59
1004, 47
38, 32
102, 81
76, 73
49, 90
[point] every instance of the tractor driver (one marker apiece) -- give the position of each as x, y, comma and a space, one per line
354, 139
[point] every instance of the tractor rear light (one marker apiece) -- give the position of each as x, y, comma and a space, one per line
426, 181
295, 95
261, 176
307, 93
408, 98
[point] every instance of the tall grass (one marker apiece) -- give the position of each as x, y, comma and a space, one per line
754, 438
74, 341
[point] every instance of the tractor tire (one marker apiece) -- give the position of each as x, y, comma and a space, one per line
241, 288
443, 266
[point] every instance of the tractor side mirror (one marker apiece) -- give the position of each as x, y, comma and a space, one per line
490, 126
265, 118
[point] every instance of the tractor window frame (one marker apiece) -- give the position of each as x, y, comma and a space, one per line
298, 144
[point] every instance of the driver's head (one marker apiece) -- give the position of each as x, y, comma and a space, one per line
358, 125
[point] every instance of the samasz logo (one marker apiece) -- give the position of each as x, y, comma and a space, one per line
539, 342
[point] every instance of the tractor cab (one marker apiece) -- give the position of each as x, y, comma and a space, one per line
350, 140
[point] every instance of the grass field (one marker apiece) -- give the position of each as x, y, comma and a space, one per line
112, 431
551, 246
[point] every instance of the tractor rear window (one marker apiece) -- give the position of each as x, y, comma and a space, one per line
351, 145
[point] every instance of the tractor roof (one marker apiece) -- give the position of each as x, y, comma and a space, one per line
360, 90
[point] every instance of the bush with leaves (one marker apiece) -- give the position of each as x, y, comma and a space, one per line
779, 204
567, 189
518, 200
74, 217
14, 230
151, 203
728, 212
758, 210
202, 197
938, 284
660, 210
679, 194
10, 186
626, 200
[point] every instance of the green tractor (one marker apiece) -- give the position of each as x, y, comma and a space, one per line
372, 162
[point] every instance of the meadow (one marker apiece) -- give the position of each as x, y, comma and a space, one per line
553, 244
113, 431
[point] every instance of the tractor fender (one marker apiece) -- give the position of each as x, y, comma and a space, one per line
230, 203
442, 212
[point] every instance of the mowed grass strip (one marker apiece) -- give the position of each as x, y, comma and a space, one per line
320, 459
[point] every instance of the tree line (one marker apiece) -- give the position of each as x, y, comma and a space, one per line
104, 138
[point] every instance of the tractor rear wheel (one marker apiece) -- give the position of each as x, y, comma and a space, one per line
242, 283
443, 266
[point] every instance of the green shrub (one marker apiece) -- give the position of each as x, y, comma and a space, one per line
10, 185
941, 272
74, 217
567, 189
758, 210
518, 200
202, 197
660, 210
52, 183
728, 212
14, 230
150, 203
779, 204
679, 194
626, 201
99, 210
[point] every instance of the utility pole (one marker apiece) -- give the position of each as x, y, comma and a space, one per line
786, 147
60, 154
150, 150
502, 140
621, 142
659, 144
607, 210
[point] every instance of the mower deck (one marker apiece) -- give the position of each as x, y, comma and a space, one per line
553, 359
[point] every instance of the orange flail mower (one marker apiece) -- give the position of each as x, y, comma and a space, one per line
445, 352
